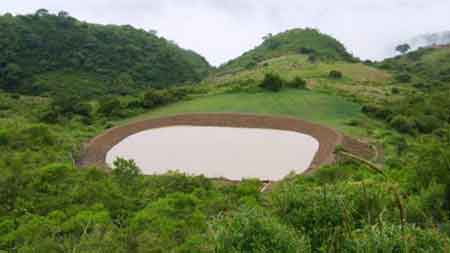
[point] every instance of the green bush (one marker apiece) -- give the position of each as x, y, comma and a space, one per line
427, 123
35, 135
155, 98
109, 107
4, 137
251, 230
168, 223
334, 74
297, 83
272, 82
134, 104
377, 111
402, 124
403, 78
394, 238
428, 206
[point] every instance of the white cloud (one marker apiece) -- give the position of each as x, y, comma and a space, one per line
224, 29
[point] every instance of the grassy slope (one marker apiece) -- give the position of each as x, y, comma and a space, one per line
365, 82
325, 104
313, 106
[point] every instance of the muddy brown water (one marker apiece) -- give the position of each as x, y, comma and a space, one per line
95, 151
218, 152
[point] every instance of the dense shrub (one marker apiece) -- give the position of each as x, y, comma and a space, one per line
321, 212
134, 104
297, 83
334, 74
377, 111
403, 78
109, 107
431, 164
251, 230
66, 106
4, 137
313, 58
306, 50
394, 238
168, 223
155, 98
427, 123
428, 206
272, 82
402, 124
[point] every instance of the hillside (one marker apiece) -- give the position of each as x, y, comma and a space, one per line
426, 63
418, 101
50, 54
296, 41
396, 201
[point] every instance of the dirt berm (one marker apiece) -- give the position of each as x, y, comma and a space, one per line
95, 151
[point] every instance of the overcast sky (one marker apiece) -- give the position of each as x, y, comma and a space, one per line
224, 29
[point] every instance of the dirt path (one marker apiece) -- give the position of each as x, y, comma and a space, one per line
96, 150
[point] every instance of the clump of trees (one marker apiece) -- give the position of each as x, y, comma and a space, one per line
273, 82
403, 48
334, 74
403, 78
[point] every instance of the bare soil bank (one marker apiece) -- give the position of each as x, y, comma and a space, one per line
96, 150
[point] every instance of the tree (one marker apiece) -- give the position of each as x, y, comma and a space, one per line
41, 13
109, 106
252, 230
272, 82
267, 36
11, 77
403, 48
123, 84
403, 77
153, 32
63, 14
297, 83
334, 74
154, 98
127, 173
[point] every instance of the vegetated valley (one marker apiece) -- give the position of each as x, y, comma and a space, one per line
63, 81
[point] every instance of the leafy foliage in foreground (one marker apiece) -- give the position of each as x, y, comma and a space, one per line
55, 54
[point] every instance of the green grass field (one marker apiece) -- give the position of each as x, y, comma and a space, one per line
316, 107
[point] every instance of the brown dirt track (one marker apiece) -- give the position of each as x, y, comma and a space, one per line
95, 152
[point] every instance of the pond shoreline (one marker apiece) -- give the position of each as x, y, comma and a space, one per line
95, 151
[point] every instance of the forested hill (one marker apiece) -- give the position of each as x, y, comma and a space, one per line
46, 53
422, 81
296, 41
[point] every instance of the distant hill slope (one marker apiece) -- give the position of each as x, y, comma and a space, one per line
422, 83
429, 64
295, 41
45, 53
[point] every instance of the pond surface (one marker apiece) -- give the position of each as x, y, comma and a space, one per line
215, 152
